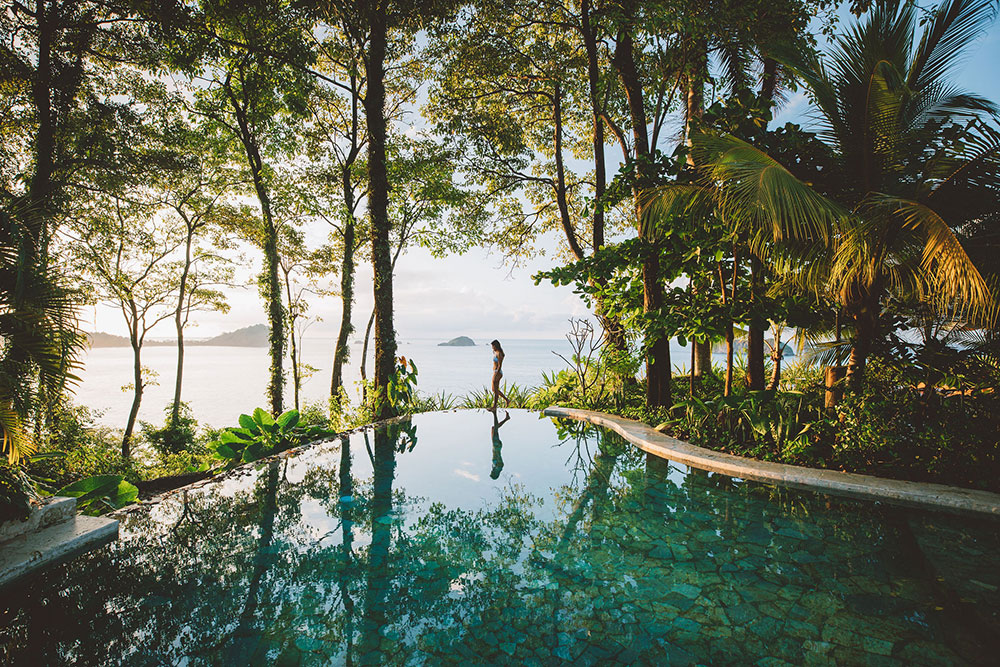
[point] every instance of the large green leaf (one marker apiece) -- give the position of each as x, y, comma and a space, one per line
87, 486
247, 422
125, 493
262, 418
288, 419
225, 451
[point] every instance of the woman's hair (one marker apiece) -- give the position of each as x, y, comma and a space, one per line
496, 345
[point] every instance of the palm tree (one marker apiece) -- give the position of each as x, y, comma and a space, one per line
39, 340
921, 165
920, 161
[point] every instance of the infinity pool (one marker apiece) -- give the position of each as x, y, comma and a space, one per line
452, 539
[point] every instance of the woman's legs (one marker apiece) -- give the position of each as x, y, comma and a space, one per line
497, 393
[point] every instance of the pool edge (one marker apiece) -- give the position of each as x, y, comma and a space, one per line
900, 492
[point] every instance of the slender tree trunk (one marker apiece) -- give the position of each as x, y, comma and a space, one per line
179, 326
756, 328
275, 311
272, 284
364, 347
728, 388
38, 205
343, 349
658, 350
137, 384
342, 352
560, 185
694, 110
702, 358
378, 204
775, 367
296, 380
755, 335
613, 329
694, 355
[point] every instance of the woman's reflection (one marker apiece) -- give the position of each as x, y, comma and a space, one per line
497, 445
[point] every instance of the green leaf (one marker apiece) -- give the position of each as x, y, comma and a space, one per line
228, 436
225, 451
288, 420
252, 453
262, 418
89, 485
125, 493
246, 421
56, 454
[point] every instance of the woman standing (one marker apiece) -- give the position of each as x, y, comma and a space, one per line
498, 356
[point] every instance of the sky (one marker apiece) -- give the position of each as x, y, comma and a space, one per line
478, 294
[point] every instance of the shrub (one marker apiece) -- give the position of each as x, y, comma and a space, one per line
16, 493
75, 448
174, 436
260, 435
894, 424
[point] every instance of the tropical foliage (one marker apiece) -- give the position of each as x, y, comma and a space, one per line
150, 154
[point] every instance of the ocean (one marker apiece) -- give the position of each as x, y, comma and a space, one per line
220, 383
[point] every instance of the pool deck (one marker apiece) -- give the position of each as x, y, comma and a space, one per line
913, 494
54, 533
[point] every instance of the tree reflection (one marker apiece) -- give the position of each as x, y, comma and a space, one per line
330, 559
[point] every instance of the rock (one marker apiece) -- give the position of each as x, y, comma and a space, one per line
461, 341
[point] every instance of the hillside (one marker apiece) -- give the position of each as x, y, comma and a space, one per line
253, 336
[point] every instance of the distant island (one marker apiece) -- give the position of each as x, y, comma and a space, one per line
252, 336
461, 341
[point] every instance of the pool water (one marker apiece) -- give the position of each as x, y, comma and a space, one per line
456, 539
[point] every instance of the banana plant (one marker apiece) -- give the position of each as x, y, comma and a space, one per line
100, 494
259, 435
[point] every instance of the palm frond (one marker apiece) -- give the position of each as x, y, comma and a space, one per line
16, 441
948, 274
759, 192
955, 26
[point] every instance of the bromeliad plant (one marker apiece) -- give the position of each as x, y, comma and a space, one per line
260, 435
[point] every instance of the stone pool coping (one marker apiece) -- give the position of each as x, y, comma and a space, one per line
913, 494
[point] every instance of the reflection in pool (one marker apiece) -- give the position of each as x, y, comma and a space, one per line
461, 538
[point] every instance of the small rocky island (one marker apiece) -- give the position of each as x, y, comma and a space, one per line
461, 341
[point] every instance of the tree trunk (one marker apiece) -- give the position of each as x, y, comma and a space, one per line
343, 349
755, 336
137, 384
378, 205
702, 358
179, 326
658, 350
613, 330
775, 368
865, 326
560, 184
292, 315
833, 381
272, 284
36, 209
728, 388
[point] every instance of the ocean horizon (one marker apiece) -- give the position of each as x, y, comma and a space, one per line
222, 382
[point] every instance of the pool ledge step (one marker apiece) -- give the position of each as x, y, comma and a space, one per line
33, 551
900, 492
